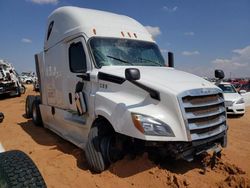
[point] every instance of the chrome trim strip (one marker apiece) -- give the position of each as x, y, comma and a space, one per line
214, 132
189, 105
190, 115
194, 126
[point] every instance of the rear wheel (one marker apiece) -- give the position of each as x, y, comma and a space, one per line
28, 105
36, 114
22, 89
18, 170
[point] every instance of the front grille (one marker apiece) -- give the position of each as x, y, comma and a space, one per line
204, 112
228, 103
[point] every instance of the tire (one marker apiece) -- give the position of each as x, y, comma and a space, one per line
36, 114
93, 152
22, 89
28, 105
19, 92
18, 170
1, 117
101, 149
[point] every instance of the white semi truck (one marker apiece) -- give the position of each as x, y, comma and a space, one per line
105, 87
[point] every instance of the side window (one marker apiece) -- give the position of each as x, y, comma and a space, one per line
50, 29
77, 58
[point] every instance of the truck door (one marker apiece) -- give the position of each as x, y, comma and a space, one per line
77, 83
71, 117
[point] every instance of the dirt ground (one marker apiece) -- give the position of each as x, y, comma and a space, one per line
63, 165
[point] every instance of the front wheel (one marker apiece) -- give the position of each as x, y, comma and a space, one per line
93, 151
102, 148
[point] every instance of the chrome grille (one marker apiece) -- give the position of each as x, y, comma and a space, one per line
204, 112
228, 103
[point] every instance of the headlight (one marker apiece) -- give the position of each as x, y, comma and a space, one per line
240, 101
151, 126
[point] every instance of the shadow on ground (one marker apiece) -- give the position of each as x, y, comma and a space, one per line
126, 167
45, 137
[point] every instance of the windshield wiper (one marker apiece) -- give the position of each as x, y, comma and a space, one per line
118, 59
150, 61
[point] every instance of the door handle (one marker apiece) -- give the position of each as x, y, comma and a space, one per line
70, 98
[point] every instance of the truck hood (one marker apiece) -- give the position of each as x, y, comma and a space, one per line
162, 78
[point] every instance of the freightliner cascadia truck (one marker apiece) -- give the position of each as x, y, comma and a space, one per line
105, 87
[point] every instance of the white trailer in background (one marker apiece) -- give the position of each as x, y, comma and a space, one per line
105, 87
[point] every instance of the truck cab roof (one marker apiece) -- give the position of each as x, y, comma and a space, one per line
68, 21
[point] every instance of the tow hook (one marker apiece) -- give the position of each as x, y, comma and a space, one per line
209, 160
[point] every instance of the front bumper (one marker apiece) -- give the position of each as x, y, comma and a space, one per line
236, 109
188, 150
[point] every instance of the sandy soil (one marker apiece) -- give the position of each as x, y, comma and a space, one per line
63, 165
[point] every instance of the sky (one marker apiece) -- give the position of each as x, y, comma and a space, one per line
203, 34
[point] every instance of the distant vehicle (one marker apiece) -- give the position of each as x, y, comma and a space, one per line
9, 82
245, 87
26, 79
29, 74
233, 100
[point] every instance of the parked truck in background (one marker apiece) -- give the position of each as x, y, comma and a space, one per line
105, 87
9, 81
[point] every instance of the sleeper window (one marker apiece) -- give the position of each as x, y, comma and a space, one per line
77, 58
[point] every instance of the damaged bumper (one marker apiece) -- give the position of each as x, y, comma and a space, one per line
7, 88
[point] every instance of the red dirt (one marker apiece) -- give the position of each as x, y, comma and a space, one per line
63, 165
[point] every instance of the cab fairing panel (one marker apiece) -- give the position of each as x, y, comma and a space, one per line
69, 21
117, 106
61, 124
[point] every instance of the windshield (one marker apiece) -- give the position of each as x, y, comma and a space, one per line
227, 88
110, 51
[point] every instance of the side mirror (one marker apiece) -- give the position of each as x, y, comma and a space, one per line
132, 74
219, 74
242, 91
